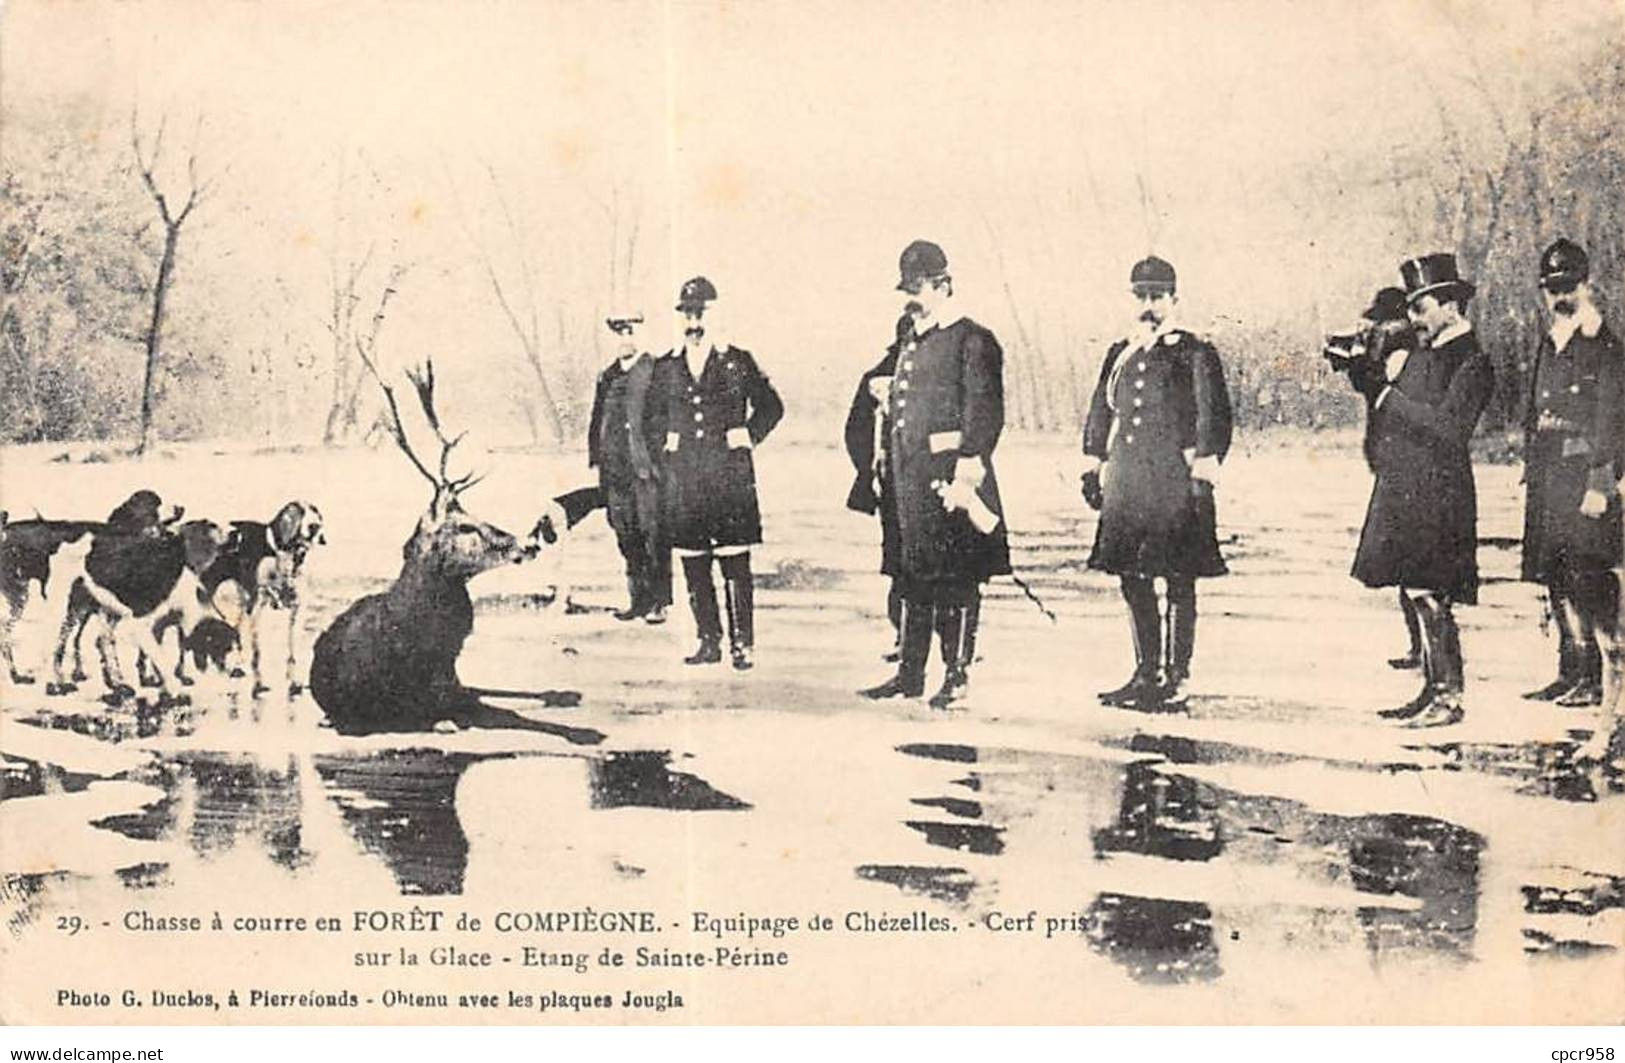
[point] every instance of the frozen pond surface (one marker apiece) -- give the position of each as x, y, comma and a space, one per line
1275, 840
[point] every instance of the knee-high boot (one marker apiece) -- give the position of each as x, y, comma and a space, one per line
1447, 674
909, 682
1578, 604
1145, 626
1413, 633
702, 601
739, 590
1181, 639
1430, 659
1570, 666
894, 613
956, 632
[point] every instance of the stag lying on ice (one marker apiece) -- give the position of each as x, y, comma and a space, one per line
389, 662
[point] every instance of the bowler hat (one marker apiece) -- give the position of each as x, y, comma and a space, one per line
921, 260
1388, 304
1433, 274
696, 292
1564, 264
623, 320
1152, 274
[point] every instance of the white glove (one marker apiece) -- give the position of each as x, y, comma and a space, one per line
1594, 504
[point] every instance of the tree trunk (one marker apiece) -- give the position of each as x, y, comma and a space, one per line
160, 293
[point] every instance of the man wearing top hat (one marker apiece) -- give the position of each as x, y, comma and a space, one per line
1574, 454
1421, 526
868, 428
624, 437
719, 406
946, 412
1158, 427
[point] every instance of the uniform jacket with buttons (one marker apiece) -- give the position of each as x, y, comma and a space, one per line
712, 425
947, 412
1160, 410
1574, 441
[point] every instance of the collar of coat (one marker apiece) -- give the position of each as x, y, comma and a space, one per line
1454, 332
1167, 332
1587, 321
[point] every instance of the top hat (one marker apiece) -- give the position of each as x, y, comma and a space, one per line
921, 260
1388, 304
1432, 274
696, 292
623, 322
1152, 274
1564, 264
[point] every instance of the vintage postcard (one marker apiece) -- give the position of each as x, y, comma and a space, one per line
664, 512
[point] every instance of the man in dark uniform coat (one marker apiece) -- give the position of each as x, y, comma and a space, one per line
620, 448
1421, 526
1158, 427
1574, 453
719, 406
868, 427
946, 414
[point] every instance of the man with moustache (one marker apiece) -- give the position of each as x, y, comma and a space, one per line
623, 448
719, 406
946, 415
1421, 526
1574, 453
868, 426
1159, 426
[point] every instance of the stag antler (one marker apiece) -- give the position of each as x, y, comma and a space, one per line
446, 488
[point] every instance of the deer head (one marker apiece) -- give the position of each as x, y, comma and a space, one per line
447, 540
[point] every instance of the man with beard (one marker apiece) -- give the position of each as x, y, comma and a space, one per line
868, 425
719, 406
947, 411
1421, 526
622, 451
1158, 427
1574, 452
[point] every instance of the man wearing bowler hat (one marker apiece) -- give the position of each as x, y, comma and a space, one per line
1159, 425
624, 449
868, 429
719, 407
946, 411
1574, 453
1421, 526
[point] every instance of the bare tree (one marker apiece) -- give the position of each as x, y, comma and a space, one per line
172, 218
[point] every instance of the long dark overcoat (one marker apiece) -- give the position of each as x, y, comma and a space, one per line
947, 411
620, 447
1574, 439
1421, 526
711, 477
867, 421
1159, 406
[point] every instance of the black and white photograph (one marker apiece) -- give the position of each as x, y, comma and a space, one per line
703, 512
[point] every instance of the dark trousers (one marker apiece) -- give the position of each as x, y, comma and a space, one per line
1162, 647
950, 609
740, 596
634, 514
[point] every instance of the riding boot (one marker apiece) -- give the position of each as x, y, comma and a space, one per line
1431, 659
739, 591
956, 630
1181, 641
702, 601
1145, 627
894, 613
1570, 664
909, 682
1444, 638
1413, 629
